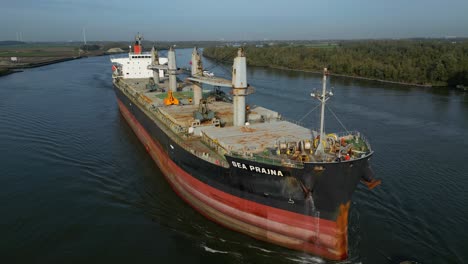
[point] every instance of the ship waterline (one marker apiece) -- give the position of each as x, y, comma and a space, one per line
305, 233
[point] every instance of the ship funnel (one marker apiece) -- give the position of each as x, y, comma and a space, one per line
137, 46
172, 69
197, 68
239, 87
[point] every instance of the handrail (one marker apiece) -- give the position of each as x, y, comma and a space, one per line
269, 160
339, 134
356, 134
292, 121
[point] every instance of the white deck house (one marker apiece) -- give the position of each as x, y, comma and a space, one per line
136, 65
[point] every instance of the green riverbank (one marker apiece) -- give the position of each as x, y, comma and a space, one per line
410, 62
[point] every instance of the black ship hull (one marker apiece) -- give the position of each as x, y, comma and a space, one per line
300, 208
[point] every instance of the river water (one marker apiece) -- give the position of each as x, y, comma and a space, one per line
77, 186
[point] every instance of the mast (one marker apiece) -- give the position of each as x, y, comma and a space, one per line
154, 62
172, 69
197, 70
239, 87
322, 98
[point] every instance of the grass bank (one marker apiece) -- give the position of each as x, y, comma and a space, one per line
29, 55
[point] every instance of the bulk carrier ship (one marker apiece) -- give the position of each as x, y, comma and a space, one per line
244, 168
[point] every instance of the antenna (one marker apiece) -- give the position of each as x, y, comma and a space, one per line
322, 98
84, 36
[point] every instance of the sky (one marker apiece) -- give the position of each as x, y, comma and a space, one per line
176, 20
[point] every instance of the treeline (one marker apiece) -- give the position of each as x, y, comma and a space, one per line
90, 47
424, 62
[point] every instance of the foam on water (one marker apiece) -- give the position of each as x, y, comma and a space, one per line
214, 250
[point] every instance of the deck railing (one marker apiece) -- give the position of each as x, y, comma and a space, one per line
356, 134
269, 160
178, 132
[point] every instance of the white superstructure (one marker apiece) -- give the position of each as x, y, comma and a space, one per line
136, 64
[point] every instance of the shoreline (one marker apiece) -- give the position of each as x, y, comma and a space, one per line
355, 77
348, 76
44, 63
15, 69
5, 72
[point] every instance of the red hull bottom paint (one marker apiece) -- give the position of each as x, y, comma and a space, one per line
299, 232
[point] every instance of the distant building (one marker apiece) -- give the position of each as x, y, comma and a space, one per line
14, 59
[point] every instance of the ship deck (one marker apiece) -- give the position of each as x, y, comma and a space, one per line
257, 137
261, 136
264, 131
183, 114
